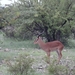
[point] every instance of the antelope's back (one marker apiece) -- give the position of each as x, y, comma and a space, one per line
54, 44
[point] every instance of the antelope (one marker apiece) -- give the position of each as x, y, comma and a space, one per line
50, 46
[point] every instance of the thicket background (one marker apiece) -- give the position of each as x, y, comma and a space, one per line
52, 19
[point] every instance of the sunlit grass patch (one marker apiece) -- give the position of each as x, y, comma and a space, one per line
15, 44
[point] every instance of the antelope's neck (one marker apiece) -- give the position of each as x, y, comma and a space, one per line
41, 43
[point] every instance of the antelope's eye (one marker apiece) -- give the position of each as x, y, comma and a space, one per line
36, 40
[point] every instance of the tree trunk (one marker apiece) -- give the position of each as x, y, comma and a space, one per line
53, 35
46, 34
58, 34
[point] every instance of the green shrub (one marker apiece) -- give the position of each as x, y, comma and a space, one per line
61, 69
71, 43
21, 65
56, 69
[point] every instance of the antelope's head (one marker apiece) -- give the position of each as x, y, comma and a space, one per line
37, 40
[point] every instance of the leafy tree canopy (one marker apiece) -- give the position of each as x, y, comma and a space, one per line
55, 19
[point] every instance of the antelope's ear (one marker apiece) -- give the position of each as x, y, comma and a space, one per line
40, 37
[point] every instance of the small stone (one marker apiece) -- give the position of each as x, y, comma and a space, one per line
6, 50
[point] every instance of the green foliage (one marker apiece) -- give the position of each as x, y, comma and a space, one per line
59, 69
70, 43
56, 69
18, 16
55, 19
21, 66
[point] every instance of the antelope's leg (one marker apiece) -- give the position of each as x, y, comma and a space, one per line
59, 55
48, 59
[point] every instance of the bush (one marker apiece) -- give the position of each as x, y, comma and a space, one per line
21, 65
71, 43
56, 69
59, 69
